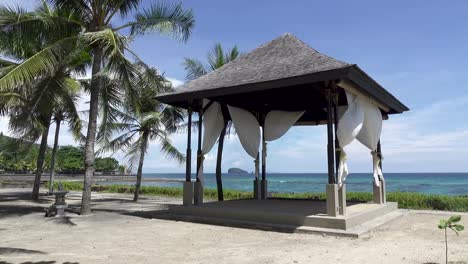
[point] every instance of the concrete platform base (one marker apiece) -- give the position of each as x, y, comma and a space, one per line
197, 193
264, 189
290, 215
257, 191
188, 193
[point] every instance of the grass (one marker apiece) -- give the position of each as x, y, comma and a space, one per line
405, 200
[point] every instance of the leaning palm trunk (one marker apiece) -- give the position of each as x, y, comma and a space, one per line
91, 134
219, 182
40, 162
54, 156
144, 145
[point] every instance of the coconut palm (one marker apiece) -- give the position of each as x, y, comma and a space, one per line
64, 111
195, 69
31, 102
91, 24
138, 122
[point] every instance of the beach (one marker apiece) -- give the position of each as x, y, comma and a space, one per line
120, 231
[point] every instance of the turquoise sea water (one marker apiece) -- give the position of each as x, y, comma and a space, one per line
429, 183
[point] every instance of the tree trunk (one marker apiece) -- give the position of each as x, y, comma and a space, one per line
219, 182
54, 156
40, 161
91, 134
144, 145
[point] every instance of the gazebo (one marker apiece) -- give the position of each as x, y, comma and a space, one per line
280, 84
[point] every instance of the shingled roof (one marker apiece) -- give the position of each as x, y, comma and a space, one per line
279, 63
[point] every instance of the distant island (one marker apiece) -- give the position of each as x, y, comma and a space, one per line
236, 170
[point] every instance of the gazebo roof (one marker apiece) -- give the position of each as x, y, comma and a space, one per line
285, 62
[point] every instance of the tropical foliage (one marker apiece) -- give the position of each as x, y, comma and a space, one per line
19, 157
85, 27
135, 124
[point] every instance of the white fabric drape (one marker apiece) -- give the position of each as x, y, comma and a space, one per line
349, 126
369, 135
213, 124
277, 123
362, 121
248, 131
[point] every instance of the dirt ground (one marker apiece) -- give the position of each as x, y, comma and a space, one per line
121, 232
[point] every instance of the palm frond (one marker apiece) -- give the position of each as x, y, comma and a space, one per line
171, 151
194, 69
43, 62
167, 19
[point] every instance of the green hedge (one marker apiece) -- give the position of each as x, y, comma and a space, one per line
405, 199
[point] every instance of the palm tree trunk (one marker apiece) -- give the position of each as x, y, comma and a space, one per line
40, 161
144, 145
91, 134
219, 182
54, 156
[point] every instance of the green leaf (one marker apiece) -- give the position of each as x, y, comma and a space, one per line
443, 224
454, 219
459, 227
454, 230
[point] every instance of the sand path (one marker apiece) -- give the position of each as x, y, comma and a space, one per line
115, 237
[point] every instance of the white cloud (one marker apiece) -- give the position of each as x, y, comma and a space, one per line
175, 82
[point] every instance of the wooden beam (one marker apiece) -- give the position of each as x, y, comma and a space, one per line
188, 161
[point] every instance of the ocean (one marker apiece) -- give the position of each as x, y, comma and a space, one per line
428, 183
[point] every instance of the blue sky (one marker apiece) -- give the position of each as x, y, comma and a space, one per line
418, 50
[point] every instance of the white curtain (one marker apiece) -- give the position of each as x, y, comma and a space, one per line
277, 123
363, 121
248, 131
213, 124
349, 126
369, 135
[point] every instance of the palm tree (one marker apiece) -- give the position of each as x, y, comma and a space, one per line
140, 122
194, 68
64, 111
91, 24
31, 103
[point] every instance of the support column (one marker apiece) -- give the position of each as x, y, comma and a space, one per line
198, 188
382, 180
342, 189
263, 182
332, 187
256, 183
188, 185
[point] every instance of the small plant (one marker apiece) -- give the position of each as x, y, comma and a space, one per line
452, 224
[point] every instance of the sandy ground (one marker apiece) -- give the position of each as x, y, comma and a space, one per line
121, 232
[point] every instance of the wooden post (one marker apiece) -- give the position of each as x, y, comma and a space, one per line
263, 154
188, 185
332, 204
379, 151
330, 146
337, 142
199, 149
188, 165
382, 180
263, 182
198, 186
